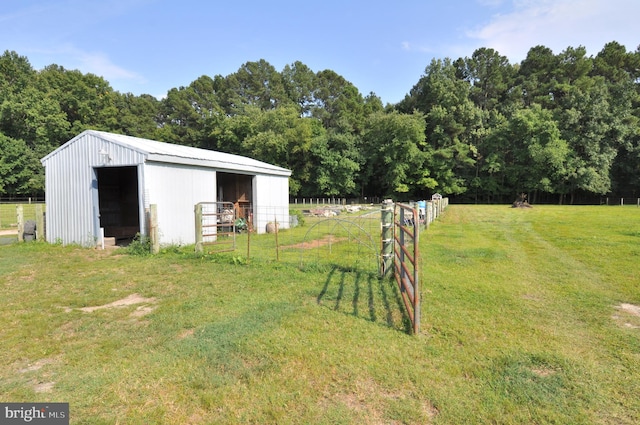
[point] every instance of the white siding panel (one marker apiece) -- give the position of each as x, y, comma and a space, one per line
271, 199
176, 189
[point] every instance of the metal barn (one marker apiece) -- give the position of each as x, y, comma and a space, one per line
101, 182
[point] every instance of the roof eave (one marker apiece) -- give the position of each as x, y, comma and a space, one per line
249, 169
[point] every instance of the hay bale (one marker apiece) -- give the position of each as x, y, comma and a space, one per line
272, 227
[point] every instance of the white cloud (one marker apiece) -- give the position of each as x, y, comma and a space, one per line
97, 63
559, 24
100, 64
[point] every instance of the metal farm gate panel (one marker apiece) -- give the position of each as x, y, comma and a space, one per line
215, 226
406, 258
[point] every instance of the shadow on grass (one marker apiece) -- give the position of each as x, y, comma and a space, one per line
364, 295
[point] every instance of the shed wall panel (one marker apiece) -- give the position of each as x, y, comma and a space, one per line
271, 195
176, 189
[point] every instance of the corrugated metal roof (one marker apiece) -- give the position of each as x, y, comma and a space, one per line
171, 153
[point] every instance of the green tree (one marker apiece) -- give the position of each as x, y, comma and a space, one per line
258, 84
137, 115
189, 114
454, 125
16, 73
586, 124
279, 136
536, 77
490, 75
396, 155
542, 166
86, 99
299, 83
336, 160
20, 170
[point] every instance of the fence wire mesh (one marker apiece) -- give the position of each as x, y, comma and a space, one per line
334, 236
9, 227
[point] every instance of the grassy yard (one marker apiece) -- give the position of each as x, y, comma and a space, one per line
8, 214
529, 316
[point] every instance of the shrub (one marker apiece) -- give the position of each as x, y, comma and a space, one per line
140, 245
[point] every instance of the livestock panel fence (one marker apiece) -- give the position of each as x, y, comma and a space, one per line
22, 220
401, 225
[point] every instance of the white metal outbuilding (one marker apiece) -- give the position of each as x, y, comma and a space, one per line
104, 180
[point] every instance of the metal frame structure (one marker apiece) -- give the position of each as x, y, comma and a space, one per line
215, 225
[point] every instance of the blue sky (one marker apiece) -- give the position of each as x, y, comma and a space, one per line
151, 46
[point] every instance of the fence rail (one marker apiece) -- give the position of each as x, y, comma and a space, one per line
406, 260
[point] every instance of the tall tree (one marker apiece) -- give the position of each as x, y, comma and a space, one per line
299, 83
586, 124
256, 83
537, 76
189, 114
396, 152
454, 125
491, 76
86, 99
16, 73
20, 170
336, 160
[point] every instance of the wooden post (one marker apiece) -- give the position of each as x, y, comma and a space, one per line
249, 229
40, 236
153, 228
20, 218
198, 214
275, 220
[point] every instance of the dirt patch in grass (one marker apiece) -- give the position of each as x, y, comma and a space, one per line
633, 310
543, 371
37, 365
630, 317
132, 299
316, 243
366, 399
186, 333
39, 380
44, 387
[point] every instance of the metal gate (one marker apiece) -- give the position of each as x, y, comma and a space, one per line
216, 226
405, 259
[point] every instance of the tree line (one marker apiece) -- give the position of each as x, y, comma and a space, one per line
560, 127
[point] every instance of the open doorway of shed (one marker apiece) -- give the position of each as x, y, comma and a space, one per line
118, 200
238, 189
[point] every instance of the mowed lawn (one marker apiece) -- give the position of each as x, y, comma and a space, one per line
528, 316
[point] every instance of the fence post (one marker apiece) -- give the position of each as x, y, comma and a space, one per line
386, 218
20, 218
153, 228
40, 235
198, 214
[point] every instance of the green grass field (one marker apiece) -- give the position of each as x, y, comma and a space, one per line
8, 215
529, 316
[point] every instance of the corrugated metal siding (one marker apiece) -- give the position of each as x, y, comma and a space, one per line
69, 186
176, 189
71, 191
